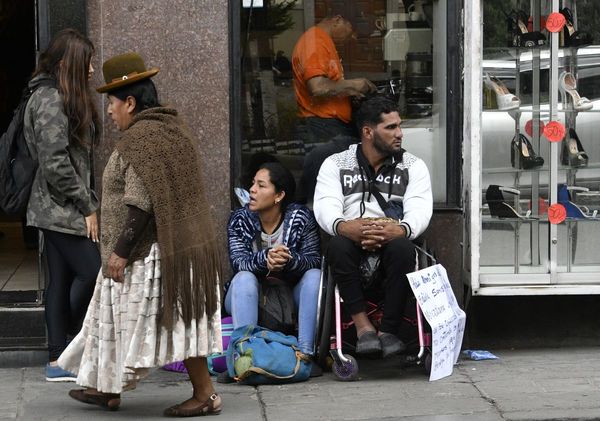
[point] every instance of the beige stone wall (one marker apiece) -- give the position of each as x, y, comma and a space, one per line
188, 41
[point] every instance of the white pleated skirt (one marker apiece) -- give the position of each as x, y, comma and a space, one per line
121, 338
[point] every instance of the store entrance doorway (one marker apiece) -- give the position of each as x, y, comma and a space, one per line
18, 244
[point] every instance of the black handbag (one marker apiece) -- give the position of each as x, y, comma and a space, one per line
392, 208
369, 270
276, 307
369, 265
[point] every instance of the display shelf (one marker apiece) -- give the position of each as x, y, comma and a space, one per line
520, 110
570, 111
533, 254
592, 166
527, 109
495, 219
511, 170
542, 218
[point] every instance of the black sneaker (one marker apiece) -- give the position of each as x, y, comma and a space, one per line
391, 344
368, 343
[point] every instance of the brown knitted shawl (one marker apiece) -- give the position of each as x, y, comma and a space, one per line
162, 153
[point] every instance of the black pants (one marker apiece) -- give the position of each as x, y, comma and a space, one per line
73, 265
396, 260
335, 135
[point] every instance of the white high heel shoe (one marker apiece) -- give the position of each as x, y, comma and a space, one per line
504, 99
568, 84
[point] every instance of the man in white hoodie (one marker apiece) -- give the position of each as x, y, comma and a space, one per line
374, 179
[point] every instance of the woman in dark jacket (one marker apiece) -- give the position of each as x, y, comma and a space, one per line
271, 236
59, 126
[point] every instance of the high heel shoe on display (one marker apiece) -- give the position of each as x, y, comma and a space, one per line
498, 205
572, 37
504, 99
572, 153
520, 35
573, 210
567, 84
522, 154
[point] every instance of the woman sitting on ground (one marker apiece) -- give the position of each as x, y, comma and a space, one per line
271, 236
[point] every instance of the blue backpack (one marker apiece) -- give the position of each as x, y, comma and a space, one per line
260, 356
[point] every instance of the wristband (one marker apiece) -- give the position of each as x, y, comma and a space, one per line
336, 223
406, 228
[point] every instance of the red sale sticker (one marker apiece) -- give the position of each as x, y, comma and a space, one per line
542, 206
529, 127
557, 213
530, 23
554, 131
555, 22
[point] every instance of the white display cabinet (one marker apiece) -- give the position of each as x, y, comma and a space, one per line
520, 78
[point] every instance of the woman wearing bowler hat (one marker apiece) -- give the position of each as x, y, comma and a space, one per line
157, 299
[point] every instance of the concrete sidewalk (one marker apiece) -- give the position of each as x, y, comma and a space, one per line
537, 384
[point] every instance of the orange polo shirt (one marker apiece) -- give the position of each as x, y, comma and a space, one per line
315, 55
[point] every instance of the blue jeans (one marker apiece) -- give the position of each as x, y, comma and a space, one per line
241, 302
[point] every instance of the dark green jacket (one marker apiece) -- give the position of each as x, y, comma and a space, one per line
61, 195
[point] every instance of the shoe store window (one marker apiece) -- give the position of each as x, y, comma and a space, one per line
534, 156
398, 45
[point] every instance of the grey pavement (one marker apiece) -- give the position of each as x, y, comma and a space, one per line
534, 384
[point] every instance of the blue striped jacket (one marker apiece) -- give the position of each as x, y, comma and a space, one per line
300, 235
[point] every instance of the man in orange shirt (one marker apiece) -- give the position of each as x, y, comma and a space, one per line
323, 95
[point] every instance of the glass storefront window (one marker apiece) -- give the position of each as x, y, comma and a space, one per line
531, 79
399, 45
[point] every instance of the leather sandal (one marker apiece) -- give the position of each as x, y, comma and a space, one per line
209, 407
110, 401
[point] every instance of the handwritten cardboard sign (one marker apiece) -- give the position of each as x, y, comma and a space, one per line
438, 304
